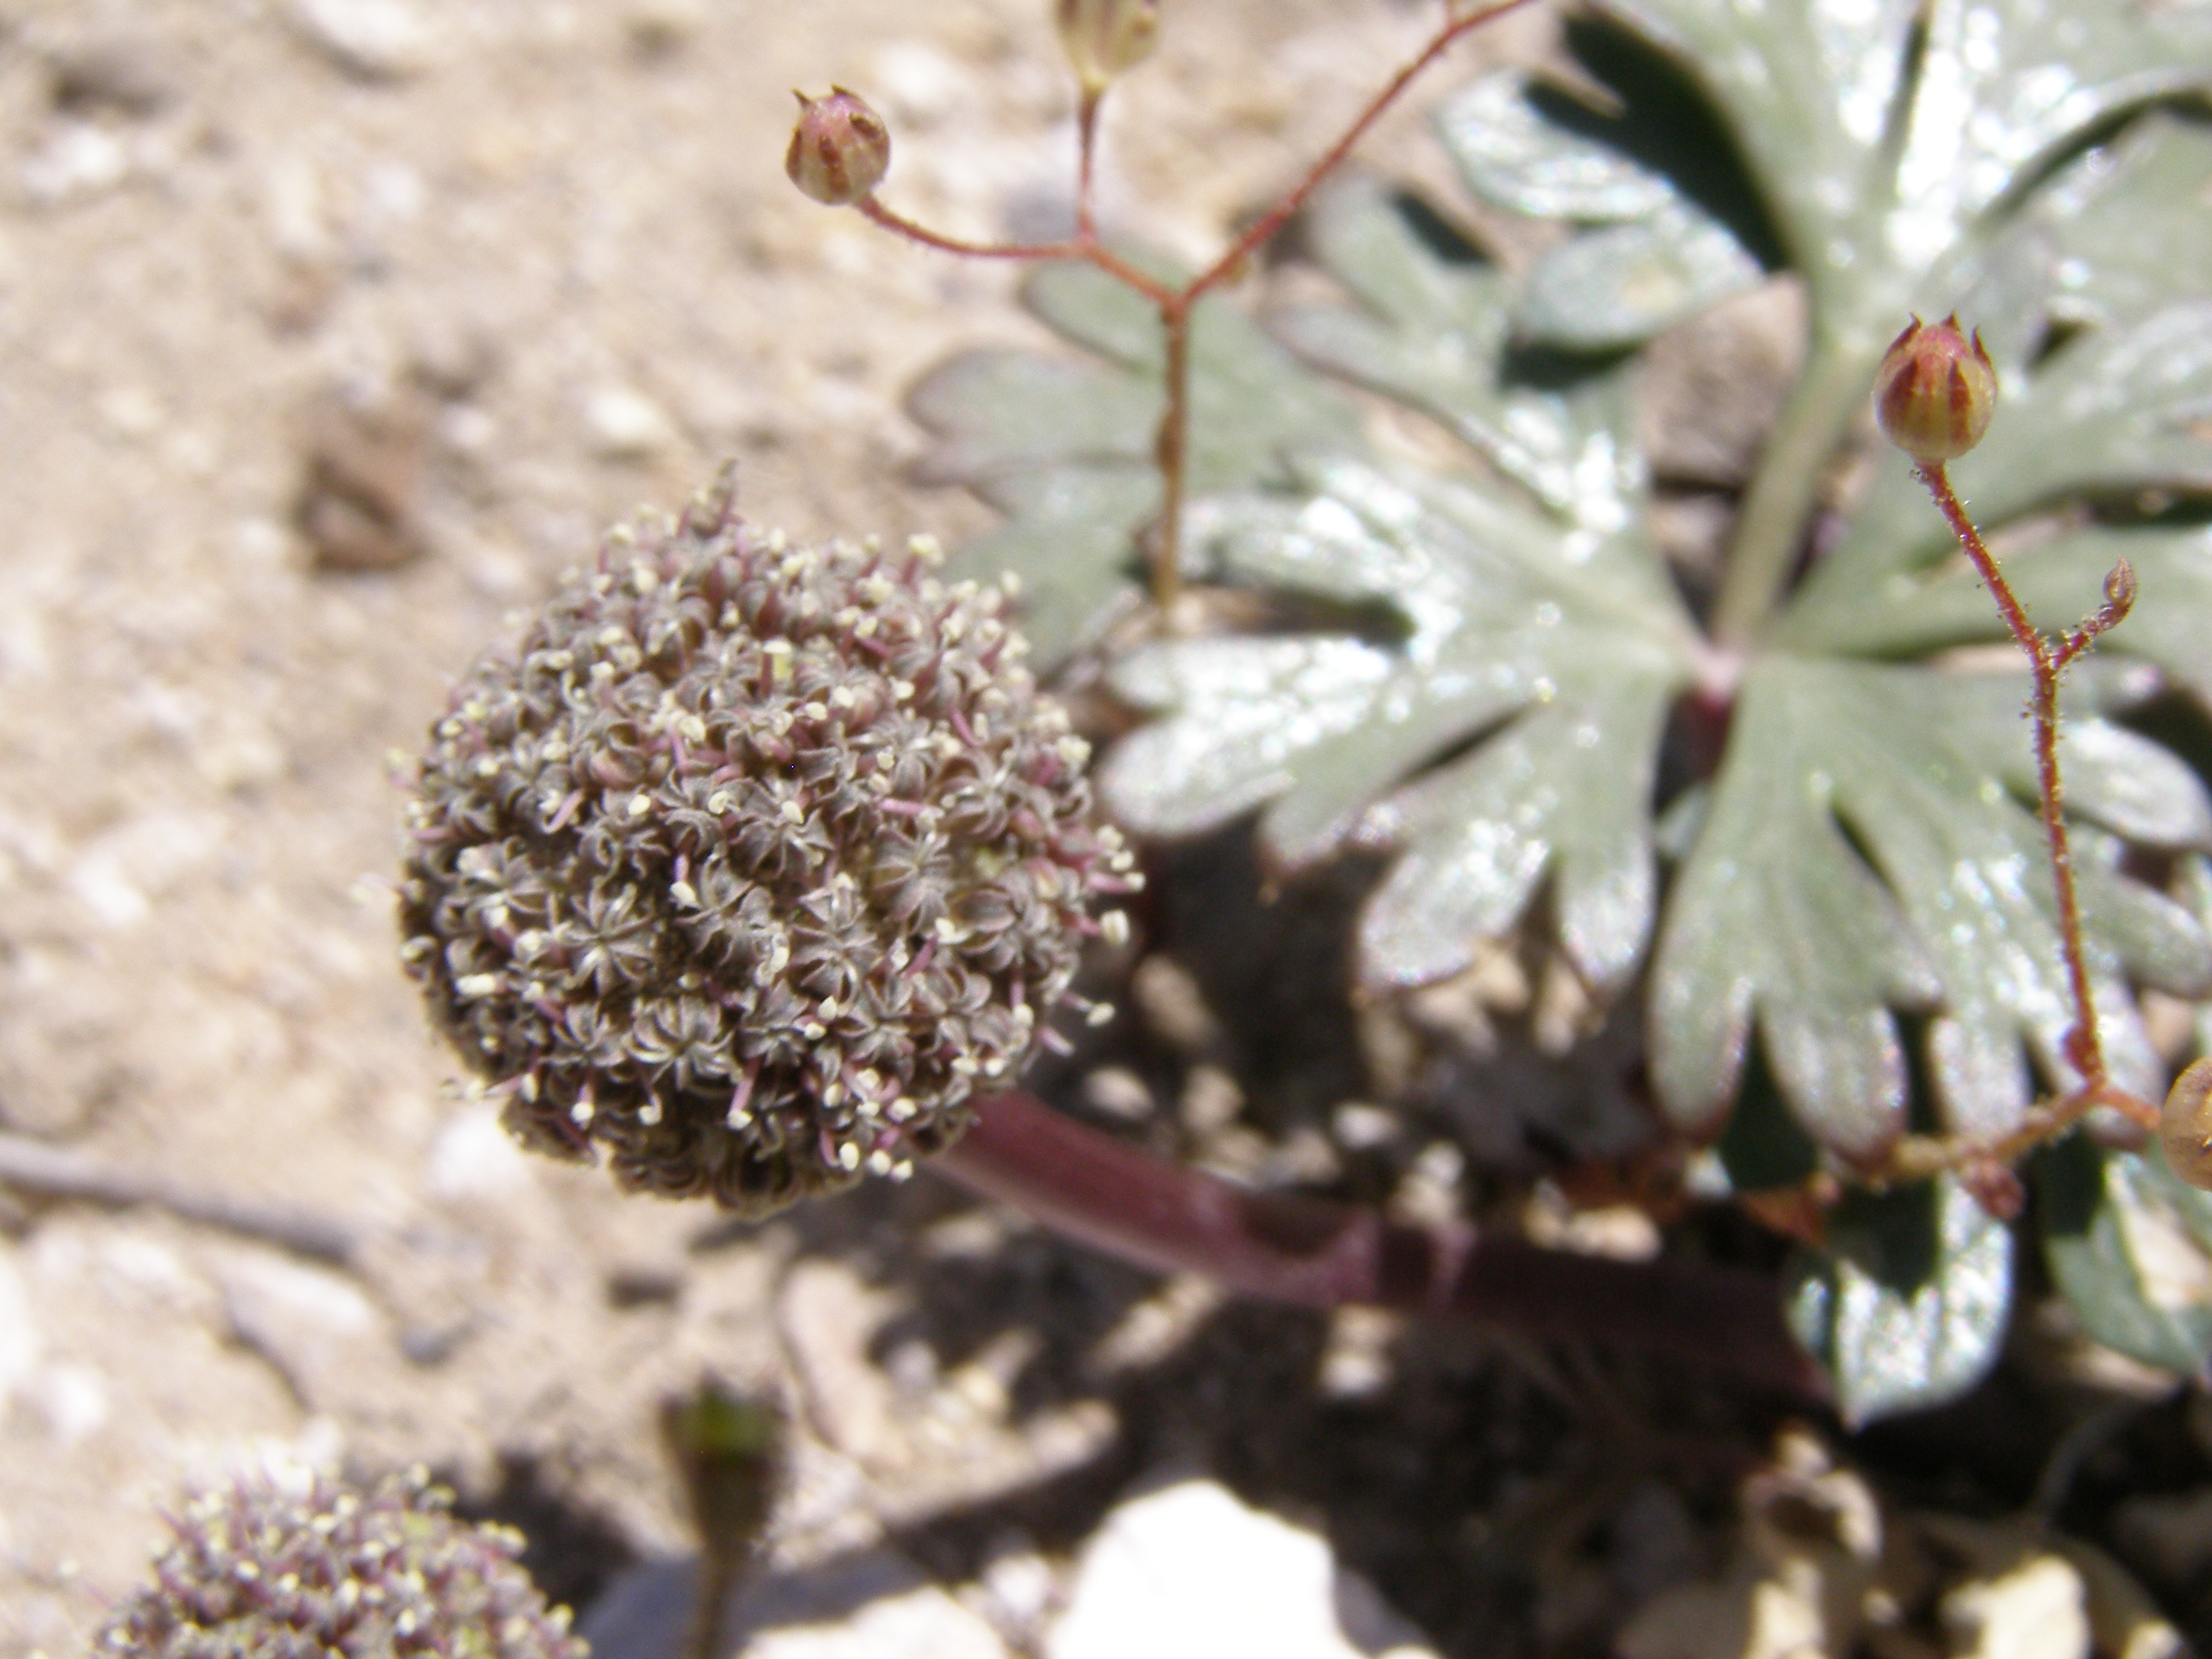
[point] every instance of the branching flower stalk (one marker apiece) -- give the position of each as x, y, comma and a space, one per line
1934, 398
1104, 38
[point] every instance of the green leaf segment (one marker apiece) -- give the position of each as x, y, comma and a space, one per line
1863, 871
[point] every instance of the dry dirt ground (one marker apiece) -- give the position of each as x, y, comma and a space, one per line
327, 340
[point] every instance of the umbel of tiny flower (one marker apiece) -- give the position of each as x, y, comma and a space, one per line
275, 1568
1936, 390
1104, 38
750, 862
839, 148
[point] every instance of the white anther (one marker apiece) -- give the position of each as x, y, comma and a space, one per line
1114, 927
477, 984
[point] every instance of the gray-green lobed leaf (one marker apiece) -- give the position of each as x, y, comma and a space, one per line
1906, 1307
1064, 447
2129, 1245
1560, 648
1870, 849
1867, 866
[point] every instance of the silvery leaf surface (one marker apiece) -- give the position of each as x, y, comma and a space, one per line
1906, 1307
1537, 641
1879, 169
2060, 580
1430, 332
2129, 1245
1064, 447
1656, 257
1619, 285
1871, 849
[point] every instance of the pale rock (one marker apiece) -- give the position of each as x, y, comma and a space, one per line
379, 39
624, 425
79, 159
1118, 1092
475, 1159
73, 1399
1798, 1585
875, 1605
1757, 1619
2037, 1610
924, 1623
1190, 1572
2124, 1621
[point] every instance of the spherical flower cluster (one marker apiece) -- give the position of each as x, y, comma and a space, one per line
751, 861
312, 1569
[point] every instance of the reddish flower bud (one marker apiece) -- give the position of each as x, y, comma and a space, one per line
1936, 390
2185, 1125
1104, 38
839, 150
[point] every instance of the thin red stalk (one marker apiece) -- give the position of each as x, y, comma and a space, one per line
1173, 450
1262, 229
1162, 1216
2085, 1046
1175, 306
1076, 248
900, 225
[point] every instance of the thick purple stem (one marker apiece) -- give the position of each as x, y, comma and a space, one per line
1159, 1215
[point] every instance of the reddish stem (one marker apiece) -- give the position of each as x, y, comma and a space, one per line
2084, 1044
1262, 230
1163, 1217
1172, 444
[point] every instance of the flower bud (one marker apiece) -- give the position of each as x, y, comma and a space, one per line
2184, 1125
839, 150
1104, 38
1936, 390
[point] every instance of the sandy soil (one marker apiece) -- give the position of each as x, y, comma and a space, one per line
501, 283
325, 345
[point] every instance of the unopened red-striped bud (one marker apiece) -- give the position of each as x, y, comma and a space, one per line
839, 150
1936, 390
1106, 38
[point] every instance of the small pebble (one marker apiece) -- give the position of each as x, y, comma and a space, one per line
1118, 1092
376, 40
1191, 1572
626, 426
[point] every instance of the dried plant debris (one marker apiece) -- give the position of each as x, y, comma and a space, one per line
1861, 872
